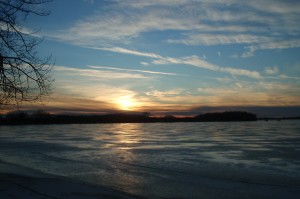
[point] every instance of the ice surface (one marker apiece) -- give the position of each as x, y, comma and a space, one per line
24, 183
178, 160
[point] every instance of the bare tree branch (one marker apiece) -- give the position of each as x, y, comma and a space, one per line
23, 75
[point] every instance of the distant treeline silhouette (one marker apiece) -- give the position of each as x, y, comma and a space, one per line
42, 117
227, 116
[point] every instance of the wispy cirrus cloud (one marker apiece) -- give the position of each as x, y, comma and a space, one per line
271, 70
272, 45
276, 6
197, 22
191, 60
167, 93
220, 39
98, 74
122, 26
128, 51
131, 70
283, 76
200, 63
216, 96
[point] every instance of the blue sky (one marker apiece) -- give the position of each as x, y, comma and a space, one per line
171, 55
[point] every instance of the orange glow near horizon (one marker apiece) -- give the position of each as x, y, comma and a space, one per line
126, 103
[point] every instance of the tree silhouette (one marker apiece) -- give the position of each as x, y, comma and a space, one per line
24, 76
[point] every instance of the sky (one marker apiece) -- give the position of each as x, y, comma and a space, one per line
172, 56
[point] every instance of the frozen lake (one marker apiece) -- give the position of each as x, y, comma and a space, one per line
166, 160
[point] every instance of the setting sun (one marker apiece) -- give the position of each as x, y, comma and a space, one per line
125, 103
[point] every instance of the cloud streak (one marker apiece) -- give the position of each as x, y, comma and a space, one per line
191, 61
131, 70
220, 39
98, 73
129, 52
199, 23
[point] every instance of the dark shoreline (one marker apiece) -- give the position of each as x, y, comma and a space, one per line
23, 118
41, 117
